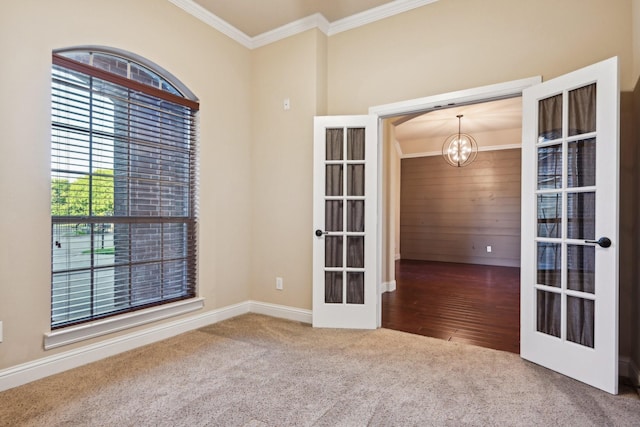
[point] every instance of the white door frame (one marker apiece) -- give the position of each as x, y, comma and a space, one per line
446, 100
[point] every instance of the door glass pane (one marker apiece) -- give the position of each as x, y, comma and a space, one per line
355, 144
549, 215
355, 251
550, 118
333, 251
333, 186
548, 313
355, 180
332, 287
355, 215
333, 215
581, 163
355, 288
550, 167
581, 215
581, 265
582, 110
334, 148
580, 317
549, 257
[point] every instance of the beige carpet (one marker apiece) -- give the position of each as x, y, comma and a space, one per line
260, 371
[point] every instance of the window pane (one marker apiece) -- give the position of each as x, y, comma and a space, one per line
582, 110
355, 180
582, 163
333, 251
355, 288
549, 262
550, 118
550, 167
581, 215
580, 320
332, 287
334, 141
333, 184
333, 215
548, 313
581, 266
355, 144
549, 215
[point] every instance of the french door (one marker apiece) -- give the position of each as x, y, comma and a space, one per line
345, 222
569, 275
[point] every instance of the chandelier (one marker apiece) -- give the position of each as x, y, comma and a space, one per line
459, 149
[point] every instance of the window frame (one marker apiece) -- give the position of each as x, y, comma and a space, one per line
102, 323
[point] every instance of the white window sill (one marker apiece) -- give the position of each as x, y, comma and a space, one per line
85, 331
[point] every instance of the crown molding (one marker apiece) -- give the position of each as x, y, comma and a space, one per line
312, 21
317, 20
194, 9
376, 14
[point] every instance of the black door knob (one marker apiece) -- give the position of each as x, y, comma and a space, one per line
320, 233
604, 242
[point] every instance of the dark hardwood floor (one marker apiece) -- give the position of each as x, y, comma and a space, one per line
474, 304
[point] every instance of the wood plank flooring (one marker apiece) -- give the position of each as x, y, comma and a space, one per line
474, 304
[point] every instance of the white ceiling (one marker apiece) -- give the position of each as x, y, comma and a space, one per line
492, 124
254, 17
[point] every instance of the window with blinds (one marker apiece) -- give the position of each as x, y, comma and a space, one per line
123, 188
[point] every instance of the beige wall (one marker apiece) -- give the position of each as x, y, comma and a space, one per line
457, 44
215, 68
282, 165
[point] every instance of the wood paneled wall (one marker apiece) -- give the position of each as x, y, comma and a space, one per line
452, 214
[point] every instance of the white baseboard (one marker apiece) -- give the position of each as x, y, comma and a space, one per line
281, 311
50, 365
388, 287
398, 256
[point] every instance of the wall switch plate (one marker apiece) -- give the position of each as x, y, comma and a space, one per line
286, 104
0, 330
489, 249
279, 283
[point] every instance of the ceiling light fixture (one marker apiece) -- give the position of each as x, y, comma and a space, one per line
459, 149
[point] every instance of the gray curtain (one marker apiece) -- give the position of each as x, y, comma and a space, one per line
334, 215
580, 217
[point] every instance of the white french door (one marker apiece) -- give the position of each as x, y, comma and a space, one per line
345, 222
569, 275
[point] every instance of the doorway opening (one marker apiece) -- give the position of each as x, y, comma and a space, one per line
456, 231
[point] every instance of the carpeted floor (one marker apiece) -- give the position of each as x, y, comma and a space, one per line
259, 371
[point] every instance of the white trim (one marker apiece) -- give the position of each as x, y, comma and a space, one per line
461, 97
398, 257
194, 9
439, 153
85, 331
316, 20
281, 311
376, 14
50, 365
312, 21
388, 287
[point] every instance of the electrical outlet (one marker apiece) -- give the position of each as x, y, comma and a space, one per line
279, 283
489, 249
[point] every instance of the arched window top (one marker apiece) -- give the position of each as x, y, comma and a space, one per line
128, 65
